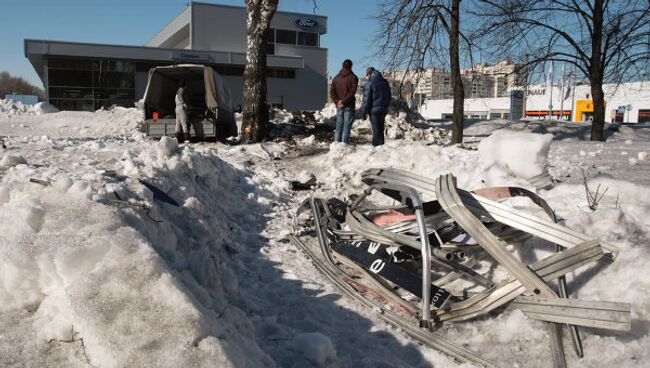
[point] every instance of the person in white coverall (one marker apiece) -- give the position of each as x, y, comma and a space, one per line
182, 121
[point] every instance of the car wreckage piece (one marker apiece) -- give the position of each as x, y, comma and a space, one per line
387, 256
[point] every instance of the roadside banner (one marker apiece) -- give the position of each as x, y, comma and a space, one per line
549, 82
572, 77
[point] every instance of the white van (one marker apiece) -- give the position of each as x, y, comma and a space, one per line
210, 109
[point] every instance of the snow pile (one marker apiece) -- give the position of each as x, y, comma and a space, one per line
493, 164
329, 111
507, 153
340, 170
11, 107
316, 347
132, 252
116, 121
400, 124
108, 257
167, 147
9, 160
399, 127
44, 108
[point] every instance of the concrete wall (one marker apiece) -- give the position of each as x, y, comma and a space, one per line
434, 109
176, 32
309, 90
224, 28
636, 94
218, 28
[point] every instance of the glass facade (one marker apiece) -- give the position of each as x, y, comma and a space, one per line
285, 36
288, 37
83, 84
90, 84
307, 39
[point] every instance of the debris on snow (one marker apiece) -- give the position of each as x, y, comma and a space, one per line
215, 282
9, 160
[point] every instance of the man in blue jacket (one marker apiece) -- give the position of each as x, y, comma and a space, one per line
376, 98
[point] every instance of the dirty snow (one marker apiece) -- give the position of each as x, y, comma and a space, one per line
131, 252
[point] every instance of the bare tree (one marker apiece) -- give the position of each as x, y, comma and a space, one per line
416, 33
255, 111
607, 41
18, 85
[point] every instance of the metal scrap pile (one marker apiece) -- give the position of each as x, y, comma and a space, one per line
422, 263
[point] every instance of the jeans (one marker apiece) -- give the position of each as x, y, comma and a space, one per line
344, 118
377, 121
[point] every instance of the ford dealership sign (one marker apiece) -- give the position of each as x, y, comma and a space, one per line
306, 23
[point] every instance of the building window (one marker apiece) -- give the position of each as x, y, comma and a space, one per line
270, 35
644, 116
281, 73
270, 41
284, 36
308, 38
229, 70
70, 78
88, 84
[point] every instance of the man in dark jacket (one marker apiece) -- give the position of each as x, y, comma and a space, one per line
376, 98
342, 91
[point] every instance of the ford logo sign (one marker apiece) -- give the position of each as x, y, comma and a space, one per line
305, 23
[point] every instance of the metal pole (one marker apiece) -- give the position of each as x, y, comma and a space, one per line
573, 95
550, 101
562, 92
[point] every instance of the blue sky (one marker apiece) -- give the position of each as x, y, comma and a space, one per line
133, 22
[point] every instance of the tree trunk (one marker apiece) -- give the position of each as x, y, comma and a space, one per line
456, 80
596, 74
598, 125
255, 109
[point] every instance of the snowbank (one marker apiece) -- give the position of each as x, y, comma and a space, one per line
11, 107
316, 347
516, 154
131, 252
400, 124
44, 108
38, 120
149, 283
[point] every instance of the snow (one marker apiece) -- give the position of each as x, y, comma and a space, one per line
194, 268
12, 160
521, 154
316, 347
11, 107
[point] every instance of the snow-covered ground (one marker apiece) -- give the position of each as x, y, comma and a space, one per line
131, 252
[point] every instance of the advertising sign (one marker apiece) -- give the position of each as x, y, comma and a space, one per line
305, 23
189, 56
516, 104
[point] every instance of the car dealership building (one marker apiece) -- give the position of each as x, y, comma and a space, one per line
84, 76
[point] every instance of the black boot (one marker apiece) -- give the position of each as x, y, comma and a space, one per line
187, 137
179, 137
